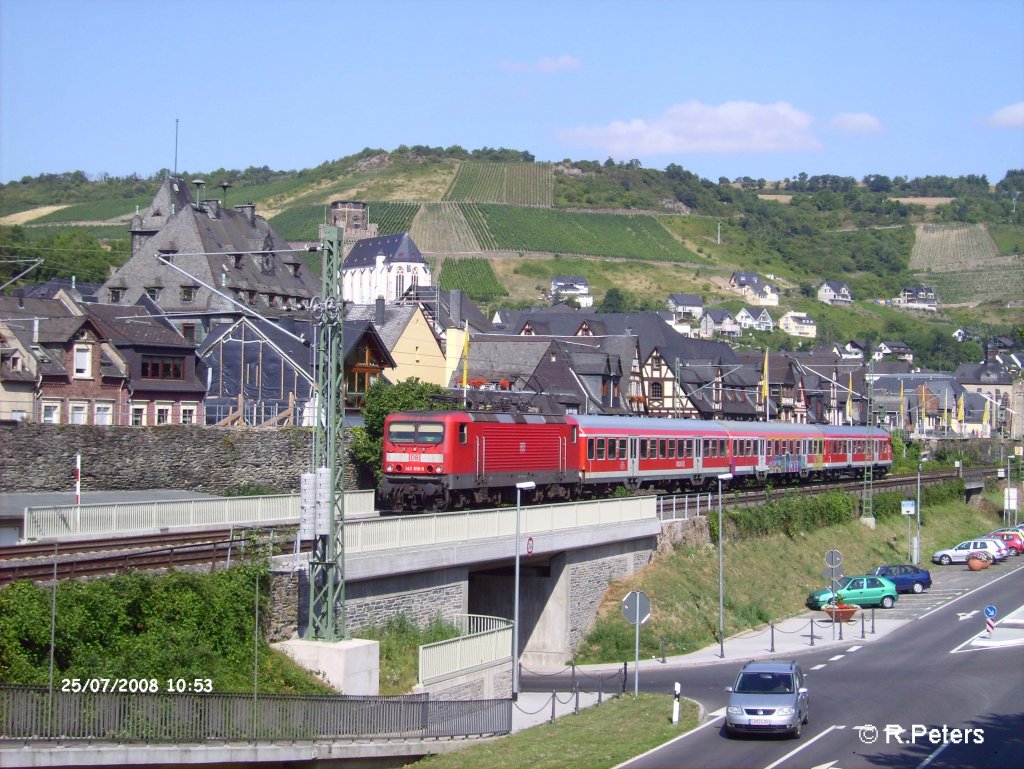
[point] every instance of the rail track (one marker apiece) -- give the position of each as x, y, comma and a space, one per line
217, 548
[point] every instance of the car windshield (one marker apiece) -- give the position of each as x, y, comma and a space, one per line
765, 683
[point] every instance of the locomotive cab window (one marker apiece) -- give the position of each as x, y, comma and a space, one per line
416, 432
463, 433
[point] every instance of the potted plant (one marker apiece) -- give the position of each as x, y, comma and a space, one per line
978, 560
839, 611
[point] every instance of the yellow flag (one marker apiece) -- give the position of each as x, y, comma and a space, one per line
903, 406
764, 381
985, 416
960, 409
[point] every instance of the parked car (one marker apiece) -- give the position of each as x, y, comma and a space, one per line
994, 547
768, 697
906, 577
864, 590
1012, 538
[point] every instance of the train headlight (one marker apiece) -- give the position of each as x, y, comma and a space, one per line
390, 468
439, 469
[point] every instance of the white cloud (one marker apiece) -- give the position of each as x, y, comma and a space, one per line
731, 127
546, 64
1008, 117
856, 123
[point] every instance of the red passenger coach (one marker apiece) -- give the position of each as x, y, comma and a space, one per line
442, 459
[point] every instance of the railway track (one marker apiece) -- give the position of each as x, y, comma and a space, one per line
217, 548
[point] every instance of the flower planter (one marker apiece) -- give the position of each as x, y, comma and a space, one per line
977, 564
840, 613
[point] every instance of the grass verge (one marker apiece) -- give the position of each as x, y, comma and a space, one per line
600, 736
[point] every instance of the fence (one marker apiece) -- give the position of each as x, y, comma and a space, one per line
676, 507
444, 528
483, 642
30, 713
126, 517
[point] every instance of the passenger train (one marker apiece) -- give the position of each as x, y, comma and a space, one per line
440, 460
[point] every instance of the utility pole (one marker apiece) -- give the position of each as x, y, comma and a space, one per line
327, 561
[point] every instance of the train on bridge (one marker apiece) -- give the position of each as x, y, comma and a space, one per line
440, 460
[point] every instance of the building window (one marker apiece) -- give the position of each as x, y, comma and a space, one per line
139, 415
104, 414
163, 367
79, 413
163, 413
399, 282
239, 261
51, 413
188, 413
83, 361
115, 295
656, 390
188, 330
188, 294
153, 292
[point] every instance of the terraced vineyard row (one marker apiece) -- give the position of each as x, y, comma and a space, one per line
393, 216
562, 232
471, 213
520, 184
473, 276
951, 247
303, 222
441, 227
1003, 283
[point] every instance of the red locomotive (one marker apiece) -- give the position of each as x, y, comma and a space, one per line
437, 460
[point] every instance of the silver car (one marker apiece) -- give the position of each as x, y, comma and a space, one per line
994, 547
767, 698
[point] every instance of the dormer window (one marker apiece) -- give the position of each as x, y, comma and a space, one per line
115, 295
239, 261
83, 361
188, 294
153, 292
296, 270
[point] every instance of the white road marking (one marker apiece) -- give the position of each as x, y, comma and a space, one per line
854, 648
809, 742
837, 657
714, 717
818, 667
934, 755
966, 614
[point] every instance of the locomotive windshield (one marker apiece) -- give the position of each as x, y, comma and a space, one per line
416, 432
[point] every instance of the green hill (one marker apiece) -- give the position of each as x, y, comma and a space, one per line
678, 232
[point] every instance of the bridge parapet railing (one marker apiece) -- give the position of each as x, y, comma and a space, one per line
34, 713
483, 641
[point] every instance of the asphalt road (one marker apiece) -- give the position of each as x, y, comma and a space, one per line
883, 703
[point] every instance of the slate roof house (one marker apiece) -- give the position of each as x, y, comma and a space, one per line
97, 364
575, 286
719, 322
917, 298
686, 306
834, 292
224, 262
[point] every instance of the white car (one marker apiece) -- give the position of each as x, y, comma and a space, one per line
958, 554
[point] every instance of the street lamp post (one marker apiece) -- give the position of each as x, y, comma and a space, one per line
721, 570
917, 548
520, 488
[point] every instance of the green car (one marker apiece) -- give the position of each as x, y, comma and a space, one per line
866, 590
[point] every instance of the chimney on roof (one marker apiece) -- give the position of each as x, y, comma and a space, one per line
455, 307
212, 207
378, 312
248, 210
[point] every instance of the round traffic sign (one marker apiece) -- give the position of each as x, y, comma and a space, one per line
529, 545
990, 611
833, 558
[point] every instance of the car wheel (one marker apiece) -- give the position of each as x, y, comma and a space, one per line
795, 733
945, 560
918, 587
888, 601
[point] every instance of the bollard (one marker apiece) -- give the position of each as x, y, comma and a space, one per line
862, 621
554, 699
625, 676
812, 631
600, 690
872, 622
675, 706
663, 660
576, 709
840, 629
574, 684
772, 626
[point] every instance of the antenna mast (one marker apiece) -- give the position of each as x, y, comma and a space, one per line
175, 146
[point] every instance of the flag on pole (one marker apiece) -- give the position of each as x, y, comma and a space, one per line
849, 401
764, 384
960, 409
465, 359
903, 406
985, 416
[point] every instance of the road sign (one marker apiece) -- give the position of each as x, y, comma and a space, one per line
990, 611
636, 608
529, 545
833, 558
907, 507
829, 573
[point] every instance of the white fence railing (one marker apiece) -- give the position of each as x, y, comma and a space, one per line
484, 641
412, 531
120, 518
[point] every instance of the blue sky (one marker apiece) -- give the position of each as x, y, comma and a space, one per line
729, 88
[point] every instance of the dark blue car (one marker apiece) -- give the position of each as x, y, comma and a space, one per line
907, 578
